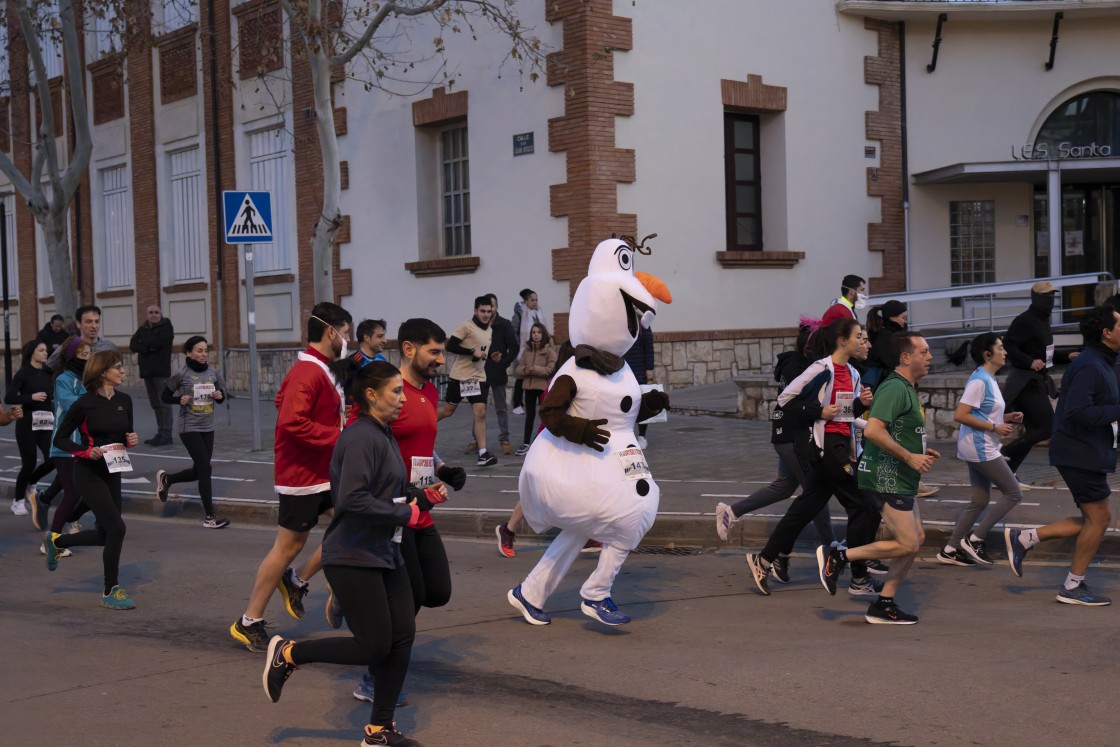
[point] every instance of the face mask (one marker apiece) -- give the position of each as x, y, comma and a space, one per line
861, 301
345, 350
77, 366
1043, 301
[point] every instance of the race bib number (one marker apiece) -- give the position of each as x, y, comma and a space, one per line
423, 472
845, 404
42, 420
1049, 356
634, 465
202, 399
470, 388
399, 531
116, 458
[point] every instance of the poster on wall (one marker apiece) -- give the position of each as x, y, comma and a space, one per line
1075, 243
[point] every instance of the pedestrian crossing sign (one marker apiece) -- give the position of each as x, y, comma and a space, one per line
248, 217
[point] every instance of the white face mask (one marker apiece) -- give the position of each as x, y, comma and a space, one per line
861, 300
345, 350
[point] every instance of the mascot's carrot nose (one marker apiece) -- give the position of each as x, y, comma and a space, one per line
655, 286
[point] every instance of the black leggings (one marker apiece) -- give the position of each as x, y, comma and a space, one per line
835, 474
28, 441
72, 508
378, 606
426, 561
101, 491
200, 446
532, 397
518, 392
1038, 417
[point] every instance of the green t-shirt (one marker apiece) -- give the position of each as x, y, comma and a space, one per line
896, 404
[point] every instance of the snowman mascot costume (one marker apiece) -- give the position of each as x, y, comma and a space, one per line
584, 473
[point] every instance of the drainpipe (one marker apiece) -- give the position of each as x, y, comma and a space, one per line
219, 233
905, 151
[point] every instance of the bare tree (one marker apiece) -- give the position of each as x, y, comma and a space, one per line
346, 37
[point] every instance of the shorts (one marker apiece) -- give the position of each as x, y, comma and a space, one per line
453, 397
300, 513
894, 500
1087, 486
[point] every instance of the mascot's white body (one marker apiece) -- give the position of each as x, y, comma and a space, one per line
606, 495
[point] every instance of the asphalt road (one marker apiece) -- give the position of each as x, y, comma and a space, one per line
994, 661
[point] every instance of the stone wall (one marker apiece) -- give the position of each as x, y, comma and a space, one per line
684, 363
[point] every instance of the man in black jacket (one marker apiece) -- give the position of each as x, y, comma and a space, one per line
1030, 351
503, 349
152, 344
53, 333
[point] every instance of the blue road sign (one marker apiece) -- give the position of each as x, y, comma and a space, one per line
248, 217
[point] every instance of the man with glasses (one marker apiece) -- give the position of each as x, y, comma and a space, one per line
308, 422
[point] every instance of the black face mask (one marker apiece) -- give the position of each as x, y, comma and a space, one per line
77, 366
1042, 302
195, 366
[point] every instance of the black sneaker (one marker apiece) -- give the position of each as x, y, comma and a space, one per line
830, 566
254, 637
888, 614
293, 594
759, 573
977, 551
162, 486
877, 567
955, 557
486, 459
388, 735
277, 670
779, 569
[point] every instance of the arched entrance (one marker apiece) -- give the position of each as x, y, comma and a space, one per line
1083, 128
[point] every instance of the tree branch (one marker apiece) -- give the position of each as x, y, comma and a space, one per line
374, 23
83, 145
45, 147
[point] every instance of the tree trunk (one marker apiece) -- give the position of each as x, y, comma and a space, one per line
58, 261
330, 220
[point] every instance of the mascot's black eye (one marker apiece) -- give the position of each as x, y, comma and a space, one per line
625, 258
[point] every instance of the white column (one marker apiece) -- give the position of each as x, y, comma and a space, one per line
1054, 211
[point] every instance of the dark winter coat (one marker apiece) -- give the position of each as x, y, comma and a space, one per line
504, 341
152, 345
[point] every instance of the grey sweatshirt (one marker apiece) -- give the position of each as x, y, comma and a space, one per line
198, 415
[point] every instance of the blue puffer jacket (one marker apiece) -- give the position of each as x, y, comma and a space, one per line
1083, 435
68, 388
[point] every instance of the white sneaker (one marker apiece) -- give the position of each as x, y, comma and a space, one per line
519, 410
725, 517
924, 490
643, 442
62, 553
19, 507
75, 527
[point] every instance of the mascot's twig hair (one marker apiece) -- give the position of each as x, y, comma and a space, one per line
638, 246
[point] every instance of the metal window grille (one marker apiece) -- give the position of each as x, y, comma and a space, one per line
187, 241
118, 240
270, 171
5, 69
456, 190
13, 259
972, 242
50, 46
106, 39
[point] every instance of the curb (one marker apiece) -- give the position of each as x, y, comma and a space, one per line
669, 530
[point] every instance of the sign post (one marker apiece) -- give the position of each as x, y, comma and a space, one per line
248, 220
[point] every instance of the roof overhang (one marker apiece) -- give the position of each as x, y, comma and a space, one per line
1080, 171
978, 10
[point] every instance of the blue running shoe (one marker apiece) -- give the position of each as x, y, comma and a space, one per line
1015, 550
532, 615
604, 611
1080, 595
364, 692
117, 599
52, 551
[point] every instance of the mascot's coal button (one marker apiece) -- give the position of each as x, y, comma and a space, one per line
626, 404
642, 487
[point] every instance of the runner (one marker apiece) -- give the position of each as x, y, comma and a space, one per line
362, 556
470, 342
831, 395
983, 422
195, 388
1083, 448
102, 420
421, 342
888, 475
308, 420
32, 388
68, 388
371, 341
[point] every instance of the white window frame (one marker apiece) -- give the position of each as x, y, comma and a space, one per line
51, 49
276, 257
9, 207
186, 220
5, 67
102, 38
123, 237
972, 239
454, 190
172, 15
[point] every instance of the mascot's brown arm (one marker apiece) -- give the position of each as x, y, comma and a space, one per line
653, 402
555, 417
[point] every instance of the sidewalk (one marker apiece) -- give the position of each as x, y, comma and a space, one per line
697, 461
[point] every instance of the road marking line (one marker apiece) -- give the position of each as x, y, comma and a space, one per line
723, 495
234, 479
135, 479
